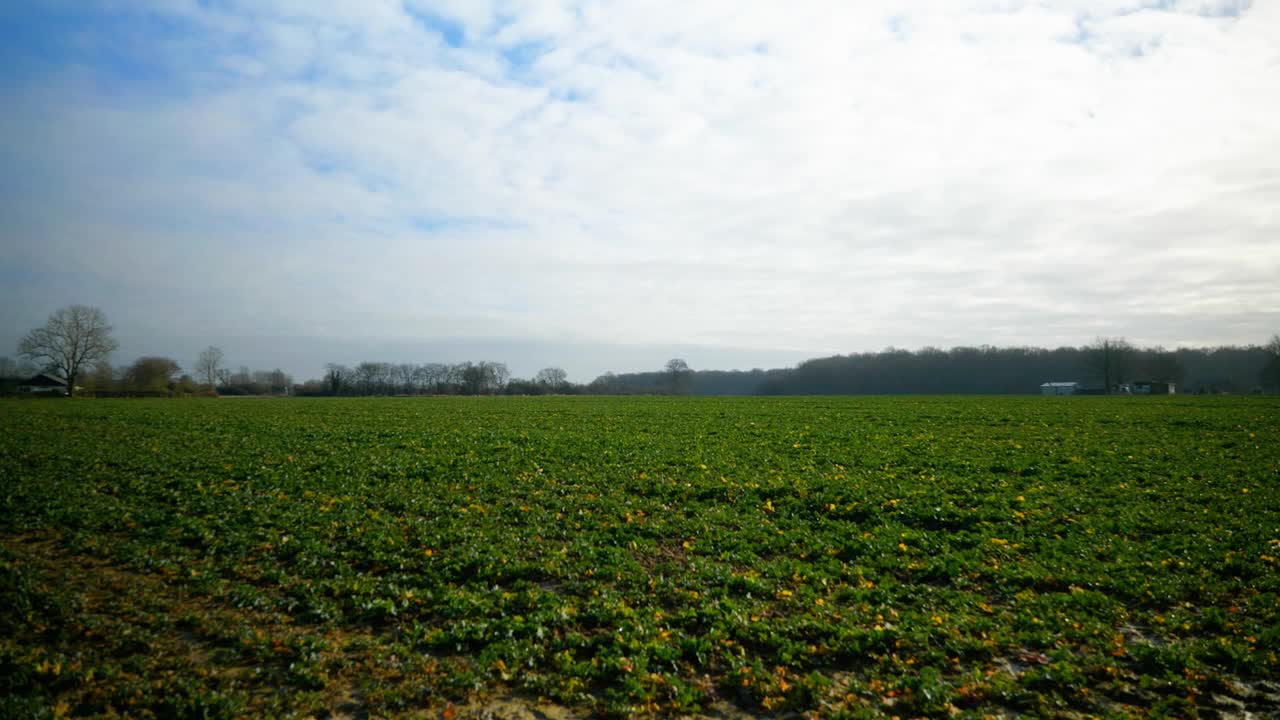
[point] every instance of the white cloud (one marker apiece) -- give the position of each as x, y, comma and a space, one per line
815, 177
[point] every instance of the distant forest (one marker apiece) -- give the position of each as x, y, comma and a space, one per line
72, 350
978, 371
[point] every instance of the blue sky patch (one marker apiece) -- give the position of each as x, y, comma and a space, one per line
522, 57
124, 49
438, 223
453, 33
569, 94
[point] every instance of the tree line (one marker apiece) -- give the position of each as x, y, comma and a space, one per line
475, 378
75, 343
155, 376
386, 378
1103, 366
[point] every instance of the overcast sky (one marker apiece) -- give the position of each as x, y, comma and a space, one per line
604, 185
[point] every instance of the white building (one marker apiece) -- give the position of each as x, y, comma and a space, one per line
1059, 388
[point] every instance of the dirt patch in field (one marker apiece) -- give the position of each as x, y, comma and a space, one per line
1244, 701
148, 618
141, 621
509, 707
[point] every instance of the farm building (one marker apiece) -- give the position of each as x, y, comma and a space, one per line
43, 383
1059, 388
1152, 388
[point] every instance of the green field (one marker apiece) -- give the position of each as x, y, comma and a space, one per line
445, 557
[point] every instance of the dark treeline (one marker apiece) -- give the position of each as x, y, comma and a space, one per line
962, 370
255, 382
465, 378
71, 351
698, 382
1004, 371
985, 370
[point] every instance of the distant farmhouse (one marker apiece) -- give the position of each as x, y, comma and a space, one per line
1140, 387
1060, 388
1144, 387
43, 383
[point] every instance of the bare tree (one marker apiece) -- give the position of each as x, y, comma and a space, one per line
678, 375
404, 373
604, 384
279, 381
496, 376
1108, 359
454, 376
1271, 373
421, 380
208, 365
552, 378
375, 378
73, 337
367, 376
482, 378
471, 377
337, 378
433, 377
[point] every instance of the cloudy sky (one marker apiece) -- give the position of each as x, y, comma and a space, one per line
604, 185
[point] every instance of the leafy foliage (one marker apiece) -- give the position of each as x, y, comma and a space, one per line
853, 557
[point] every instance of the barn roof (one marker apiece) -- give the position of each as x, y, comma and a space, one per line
44, 380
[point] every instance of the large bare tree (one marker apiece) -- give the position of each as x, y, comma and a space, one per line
679, 375
337, 378
73, 337
1109, 360
552, 378
208, 365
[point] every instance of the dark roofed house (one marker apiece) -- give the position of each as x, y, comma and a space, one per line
43, 383
1145, 387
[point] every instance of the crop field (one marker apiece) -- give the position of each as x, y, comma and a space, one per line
570, 557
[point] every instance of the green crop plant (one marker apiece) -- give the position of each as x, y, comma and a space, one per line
844, 557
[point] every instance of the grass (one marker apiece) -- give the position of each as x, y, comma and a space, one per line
844, 557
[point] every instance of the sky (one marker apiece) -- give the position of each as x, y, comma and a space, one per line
604, 185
